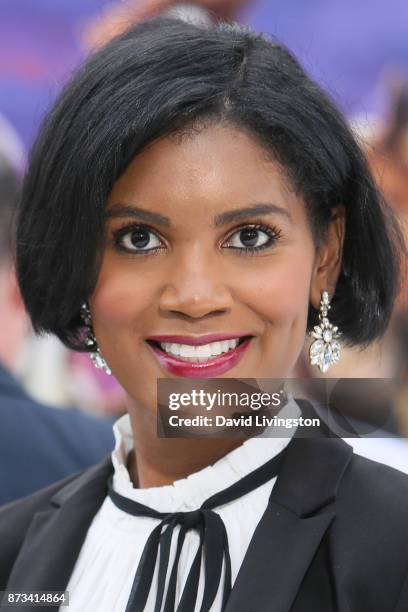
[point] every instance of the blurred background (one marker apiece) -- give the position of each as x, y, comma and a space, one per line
358, 51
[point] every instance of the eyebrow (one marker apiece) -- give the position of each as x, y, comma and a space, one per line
126, 210
250, 211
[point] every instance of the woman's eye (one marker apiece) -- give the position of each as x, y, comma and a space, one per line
140, 239
250, 238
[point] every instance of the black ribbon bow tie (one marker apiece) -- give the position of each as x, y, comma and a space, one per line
213, 539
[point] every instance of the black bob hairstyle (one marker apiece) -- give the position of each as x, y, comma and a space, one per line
165, 75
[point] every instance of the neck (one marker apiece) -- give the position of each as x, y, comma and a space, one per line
157, 461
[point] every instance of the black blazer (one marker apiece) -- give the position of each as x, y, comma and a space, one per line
334, 536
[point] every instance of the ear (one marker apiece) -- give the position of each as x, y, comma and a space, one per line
328, 258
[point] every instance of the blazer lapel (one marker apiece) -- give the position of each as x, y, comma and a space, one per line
62, 527
299, 512
285, 541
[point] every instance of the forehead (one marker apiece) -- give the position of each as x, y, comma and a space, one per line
203, 172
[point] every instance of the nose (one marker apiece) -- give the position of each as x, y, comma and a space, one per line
197, 287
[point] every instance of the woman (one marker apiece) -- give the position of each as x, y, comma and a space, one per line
194, 188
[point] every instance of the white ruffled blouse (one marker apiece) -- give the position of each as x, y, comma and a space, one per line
106, 566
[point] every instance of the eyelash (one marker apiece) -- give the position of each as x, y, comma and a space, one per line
273, 236
119, 234
272, 233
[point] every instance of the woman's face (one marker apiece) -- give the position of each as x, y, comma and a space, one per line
206, 247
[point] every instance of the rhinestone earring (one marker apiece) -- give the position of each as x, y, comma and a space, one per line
325, 350
90, 341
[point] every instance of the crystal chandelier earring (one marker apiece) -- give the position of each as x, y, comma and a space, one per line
90, 341
325, 350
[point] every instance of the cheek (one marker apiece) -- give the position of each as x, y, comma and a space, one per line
279, 292
120, 296
282, 302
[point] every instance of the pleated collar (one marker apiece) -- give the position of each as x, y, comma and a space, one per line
190, 492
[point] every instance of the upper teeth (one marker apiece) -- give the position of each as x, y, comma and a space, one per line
201, 352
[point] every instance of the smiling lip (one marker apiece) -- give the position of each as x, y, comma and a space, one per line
201, 369
196, 340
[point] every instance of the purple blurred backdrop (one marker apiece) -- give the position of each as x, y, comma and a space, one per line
344, 44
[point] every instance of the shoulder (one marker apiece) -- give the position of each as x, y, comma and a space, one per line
367, 479
366, 508
372, 496
23, 509
15, 519
56, 506
389, 450
369, 532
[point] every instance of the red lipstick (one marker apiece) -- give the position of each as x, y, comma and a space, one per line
211, 368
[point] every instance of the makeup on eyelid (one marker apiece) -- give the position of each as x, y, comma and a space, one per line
121, 234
